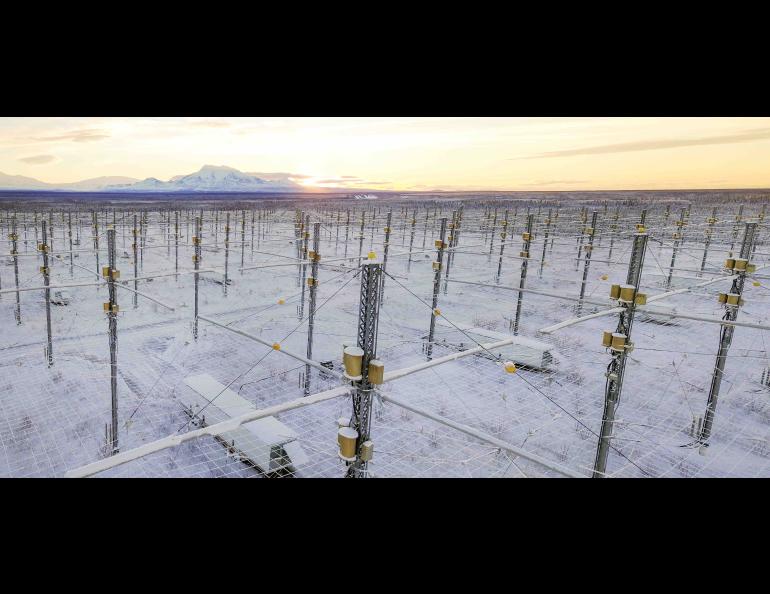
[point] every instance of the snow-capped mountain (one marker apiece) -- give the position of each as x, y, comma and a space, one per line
151, 183
209, 178
212, 178
98, 183
19, 182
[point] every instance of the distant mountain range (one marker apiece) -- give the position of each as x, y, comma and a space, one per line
209, 178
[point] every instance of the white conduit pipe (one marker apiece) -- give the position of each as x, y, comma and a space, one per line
674, 314
534, 291
215, 429
485, 437
145, 296
399, 373
570, 322
21, 289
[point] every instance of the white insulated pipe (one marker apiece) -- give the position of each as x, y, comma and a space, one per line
215, 429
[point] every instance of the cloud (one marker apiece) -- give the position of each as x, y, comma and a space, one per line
89, 135
652, 145
37, 159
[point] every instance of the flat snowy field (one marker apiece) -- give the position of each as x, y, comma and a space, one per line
52, 419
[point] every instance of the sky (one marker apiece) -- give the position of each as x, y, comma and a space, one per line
403, 153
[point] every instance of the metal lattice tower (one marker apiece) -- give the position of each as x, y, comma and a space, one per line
617, 366
591, 232
726, 333
368, 317
451, 240
545, 242
709, 231
503, 235
95, 231
527, 237
677, 238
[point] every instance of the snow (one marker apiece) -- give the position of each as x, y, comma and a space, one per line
52, 419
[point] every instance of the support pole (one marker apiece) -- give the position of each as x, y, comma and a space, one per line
112, 320
95, 231
613, 231
140, 240
69, 233
243, 237
709, 233
732, 303
591, 232
555, 221
337, 239
43, 247
197, 261
451, 242
386, 246
134, 248
176, 244
313, 284
492, 235
677, 239
736, 226
619, 348
227, 253
583, 218
347, 232
303, 266
361, 238
503, 235
545, 243
440, 245
411, 241
251, 243
527, 237
15, 254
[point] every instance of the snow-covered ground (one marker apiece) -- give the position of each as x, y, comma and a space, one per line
53, 419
